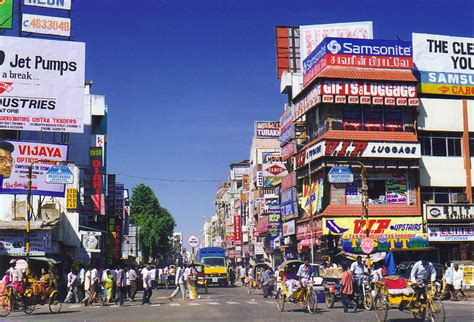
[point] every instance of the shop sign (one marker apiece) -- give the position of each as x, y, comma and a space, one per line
274, 225
21, 155
287, 151
312, 35
378, 226
449, 212
275, 169
59, 175
97, 184
267, 129
271, 157
288, 195
309, 100
287, 133
368, 89
6, 14
259, 248
303, 230
287, 115
340, 175
262, 224
48, 25
451, 233
289, 228
288, 181
12, 242
54, 4
260, 179
237, 230
71, 198
289, 210
246, 182
237, 172
272, 205
353, 245
367, 245
357, 53
445, 64
90, 240
300, 159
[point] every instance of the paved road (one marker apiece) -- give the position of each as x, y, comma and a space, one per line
223, 304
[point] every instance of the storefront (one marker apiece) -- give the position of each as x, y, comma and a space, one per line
450, 228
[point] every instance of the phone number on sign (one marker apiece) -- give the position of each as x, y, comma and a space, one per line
48, 24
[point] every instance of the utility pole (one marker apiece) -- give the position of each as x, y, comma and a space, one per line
311, 223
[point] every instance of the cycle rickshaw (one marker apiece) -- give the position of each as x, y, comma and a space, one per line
255, 279
397, 293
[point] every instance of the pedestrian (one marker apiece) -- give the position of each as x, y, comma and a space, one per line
347, 289
81, 278
180, 286
133, 277
166, 273
153, 276
266, 282
147, 287
91, 286
108, 280
120, 284
242, 272
448, 279
72, 282
458, 280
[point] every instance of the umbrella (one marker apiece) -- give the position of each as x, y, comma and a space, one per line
390, 264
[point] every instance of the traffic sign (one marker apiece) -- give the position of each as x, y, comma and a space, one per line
340, 175
193, 241
59, 175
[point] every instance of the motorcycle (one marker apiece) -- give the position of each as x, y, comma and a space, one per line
363, 296
332, 291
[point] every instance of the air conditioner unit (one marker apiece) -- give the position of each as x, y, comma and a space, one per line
459, 198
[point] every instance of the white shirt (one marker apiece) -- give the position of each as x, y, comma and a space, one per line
153, 274
358, 269
146, 278
71, 279
82, 275
422, 271
242, 272
458, 278
132, 274
127, 276
178, 279
94, 275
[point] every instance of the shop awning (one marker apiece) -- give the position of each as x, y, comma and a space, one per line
393, 210
307, 243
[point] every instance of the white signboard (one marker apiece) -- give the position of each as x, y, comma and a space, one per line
54, 4
59, 174
259, 248
41, 85
311, 36
449, 212
274, 170
12, 242
21, 155
451, 233
193, 241
289, 228
47, 25
445, 64
90, 240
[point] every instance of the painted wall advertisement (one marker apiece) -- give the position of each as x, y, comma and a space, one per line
312, 35
451, 233
445, 64
18, 155
12, 242
352, 227
42, 85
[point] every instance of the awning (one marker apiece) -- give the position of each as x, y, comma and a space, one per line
302, 244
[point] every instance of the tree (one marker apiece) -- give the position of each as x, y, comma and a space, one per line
156, 223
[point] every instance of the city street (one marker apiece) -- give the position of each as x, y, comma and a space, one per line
223, 304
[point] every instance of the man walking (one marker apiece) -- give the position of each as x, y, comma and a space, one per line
120, 284
242, 272
458, 280
347, 289
147, 287
180, 286
72, 282
133, 278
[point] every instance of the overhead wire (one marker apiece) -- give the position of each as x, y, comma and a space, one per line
170, 180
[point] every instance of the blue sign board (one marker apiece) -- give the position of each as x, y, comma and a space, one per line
362, 47
59, 175
286, 134
340, 175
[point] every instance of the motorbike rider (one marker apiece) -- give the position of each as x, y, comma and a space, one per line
420, 273
359, 270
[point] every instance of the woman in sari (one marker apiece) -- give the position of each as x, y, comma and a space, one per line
108, 280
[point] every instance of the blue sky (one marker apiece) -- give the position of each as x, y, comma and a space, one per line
185, 80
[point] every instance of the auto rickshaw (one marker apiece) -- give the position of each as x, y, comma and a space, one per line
201, 277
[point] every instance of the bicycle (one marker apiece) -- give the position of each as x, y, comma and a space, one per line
305, 296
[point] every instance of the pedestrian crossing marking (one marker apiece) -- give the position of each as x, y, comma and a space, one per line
250, 302
194, 304
232, 302
175, 304
155, 305
214, 303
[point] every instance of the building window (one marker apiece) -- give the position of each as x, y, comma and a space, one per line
438, 194
440, 144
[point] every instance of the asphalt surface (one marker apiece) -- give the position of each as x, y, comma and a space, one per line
222, 304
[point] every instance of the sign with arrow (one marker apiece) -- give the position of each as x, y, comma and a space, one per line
340, 175
59, 175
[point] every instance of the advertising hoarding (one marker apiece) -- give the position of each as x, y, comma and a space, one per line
19, 155
378, 227
56, 4
47, 25
312, 35
6, 14
267, 129
451, 233
287, 151
445, 64
237, 230
12, 242
303, 230
289, 228
97, 181
42, 86
274, 169
71, 198
357, 53
458, 212
353, 245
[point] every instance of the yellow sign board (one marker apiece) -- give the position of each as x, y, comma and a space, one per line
448, 89
378, 226
71, 198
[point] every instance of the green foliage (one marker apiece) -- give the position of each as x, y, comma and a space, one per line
156, 223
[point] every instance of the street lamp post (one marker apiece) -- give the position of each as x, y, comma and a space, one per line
28, 200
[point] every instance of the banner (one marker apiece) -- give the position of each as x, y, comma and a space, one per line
12, 242
312, 35
267, 129
312, 198
378, 227
237, 230
42, 86
445, 64
17, 157
451, 233
353, 245
97, 181
6, 14
47, 25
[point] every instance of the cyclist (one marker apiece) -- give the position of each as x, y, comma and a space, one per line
305, 273
420, 273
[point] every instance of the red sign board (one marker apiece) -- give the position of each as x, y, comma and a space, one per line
237, 231
288, 181
303, 230
368, 88
287, 151
275, 169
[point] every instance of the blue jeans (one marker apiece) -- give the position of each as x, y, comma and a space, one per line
146, 295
